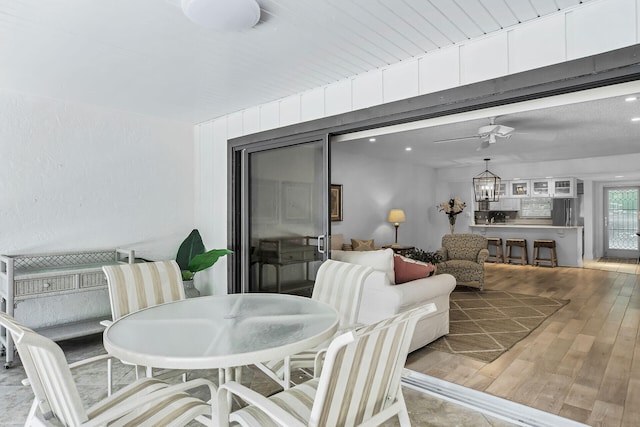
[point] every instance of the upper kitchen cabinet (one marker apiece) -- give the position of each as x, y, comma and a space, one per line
564, 187
520, 188
544, 187
541, 187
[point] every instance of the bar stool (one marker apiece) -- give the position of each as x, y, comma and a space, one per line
496, 242
518, 243
545, 243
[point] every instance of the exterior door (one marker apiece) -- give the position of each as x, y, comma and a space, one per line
621, 222
284, 217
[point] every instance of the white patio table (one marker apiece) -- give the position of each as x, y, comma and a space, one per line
221, 331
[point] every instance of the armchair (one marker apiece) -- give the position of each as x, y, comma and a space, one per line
463, 257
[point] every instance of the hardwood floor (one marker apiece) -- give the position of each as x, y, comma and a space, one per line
582, 363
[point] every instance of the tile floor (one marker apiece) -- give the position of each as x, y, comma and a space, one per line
15, 399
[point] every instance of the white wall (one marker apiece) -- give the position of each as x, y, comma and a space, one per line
587, 29
371, 187
77, 177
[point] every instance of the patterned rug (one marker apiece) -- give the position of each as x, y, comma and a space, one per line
483, 325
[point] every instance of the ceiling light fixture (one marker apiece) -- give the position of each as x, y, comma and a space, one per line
486, 186
636, 119
223, 15
372, 140
631, 98
407, 149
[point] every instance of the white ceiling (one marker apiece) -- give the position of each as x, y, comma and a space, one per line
572, 130
145, 56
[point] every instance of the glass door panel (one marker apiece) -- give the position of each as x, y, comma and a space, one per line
286, 189
621, 222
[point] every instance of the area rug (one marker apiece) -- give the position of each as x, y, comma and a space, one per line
483, 325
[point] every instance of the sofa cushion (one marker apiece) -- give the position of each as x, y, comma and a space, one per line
406, 269
362, 245
337, 240
378, 260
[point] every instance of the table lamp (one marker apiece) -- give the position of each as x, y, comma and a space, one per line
396, 216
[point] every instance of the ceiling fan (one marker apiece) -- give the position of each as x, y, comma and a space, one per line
488, 134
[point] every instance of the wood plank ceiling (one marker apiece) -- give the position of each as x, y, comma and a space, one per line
145, 56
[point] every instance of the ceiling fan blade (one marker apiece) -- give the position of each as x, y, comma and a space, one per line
463, 138
538, 136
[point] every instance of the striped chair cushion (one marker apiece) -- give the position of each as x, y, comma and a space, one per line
136, 286
57, 396
298, 401
340, 285
361, 378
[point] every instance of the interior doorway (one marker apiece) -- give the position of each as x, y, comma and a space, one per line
621, 222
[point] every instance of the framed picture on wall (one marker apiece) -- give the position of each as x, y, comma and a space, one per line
335, 202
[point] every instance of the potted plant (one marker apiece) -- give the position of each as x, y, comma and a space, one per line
193, 257
433, 258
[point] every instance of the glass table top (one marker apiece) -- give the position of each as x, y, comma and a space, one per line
220, 331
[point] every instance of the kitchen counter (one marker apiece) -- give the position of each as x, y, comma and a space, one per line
569, 246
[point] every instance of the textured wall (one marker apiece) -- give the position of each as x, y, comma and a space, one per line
76, 177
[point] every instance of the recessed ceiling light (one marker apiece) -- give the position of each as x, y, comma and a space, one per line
407, 149
631, 98
548, 177
635, 119
372, 140
619, 176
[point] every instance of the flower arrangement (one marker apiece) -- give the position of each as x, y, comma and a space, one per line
452, 207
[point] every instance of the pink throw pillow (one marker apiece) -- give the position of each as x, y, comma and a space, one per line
407, 271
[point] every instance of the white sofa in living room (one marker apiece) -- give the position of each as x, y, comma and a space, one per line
383, 298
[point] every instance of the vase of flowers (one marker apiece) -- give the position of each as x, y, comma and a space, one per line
452, 207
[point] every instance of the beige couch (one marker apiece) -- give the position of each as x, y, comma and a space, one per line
382, 298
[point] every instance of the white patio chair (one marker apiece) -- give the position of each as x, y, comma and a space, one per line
338, 284
147, 402
133, 287
359, 384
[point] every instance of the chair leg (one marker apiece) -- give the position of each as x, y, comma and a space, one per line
32, 418
109, 377
403, 414
287, 373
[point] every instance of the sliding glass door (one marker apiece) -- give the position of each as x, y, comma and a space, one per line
284, 216
621, 222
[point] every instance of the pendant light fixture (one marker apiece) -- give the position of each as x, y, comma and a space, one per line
486, 186
222, 15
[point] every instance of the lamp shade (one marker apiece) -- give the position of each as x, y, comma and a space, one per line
224, 15
396, 215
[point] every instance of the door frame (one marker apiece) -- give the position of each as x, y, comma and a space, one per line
239, 200
616, 253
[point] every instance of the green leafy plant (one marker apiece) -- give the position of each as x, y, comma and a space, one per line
191, 256
424, 256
